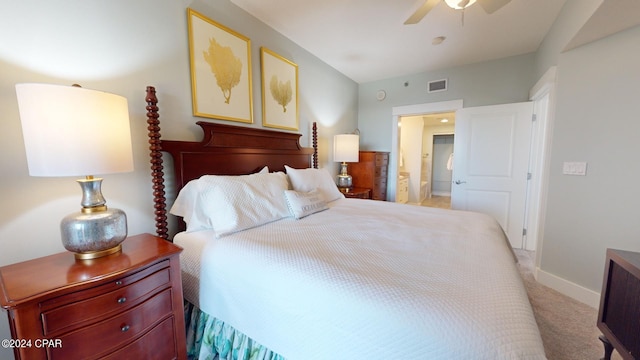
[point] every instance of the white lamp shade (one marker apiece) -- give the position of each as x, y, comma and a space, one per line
346, 148
72, 131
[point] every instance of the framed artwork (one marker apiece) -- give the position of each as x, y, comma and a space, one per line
279, 91
220, 70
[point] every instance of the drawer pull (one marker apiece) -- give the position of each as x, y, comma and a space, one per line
122, 300
124, 328
119, 282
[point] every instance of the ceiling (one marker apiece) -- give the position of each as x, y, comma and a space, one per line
366, 40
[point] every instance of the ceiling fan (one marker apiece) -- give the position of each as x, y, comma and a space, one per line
489, 6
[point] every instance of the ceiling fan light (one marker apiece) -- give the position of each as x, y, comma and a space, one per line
437, 40
459, 4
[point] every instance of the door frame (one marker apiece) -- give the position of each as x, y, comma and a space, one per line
410, 110
543, 95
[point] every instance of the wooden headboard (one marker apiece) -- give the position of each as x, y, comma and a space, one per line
224, 150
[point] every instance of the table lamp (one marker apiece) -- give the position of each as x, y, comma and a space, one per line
72, 131
346, 149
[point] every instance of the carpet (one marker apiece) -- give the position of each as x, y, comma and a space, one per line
567, 326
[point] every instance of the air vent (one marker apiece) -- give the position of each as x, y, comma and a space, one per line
437, 85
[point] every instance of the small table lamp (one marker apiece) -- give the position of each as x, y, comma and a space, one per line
346, 148
71, 131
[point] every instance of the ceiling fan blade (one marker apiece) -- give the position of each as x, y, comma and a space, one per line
421, 11
491, 6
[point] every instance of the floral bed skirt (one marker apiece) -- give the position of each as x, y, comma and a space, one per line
209, 338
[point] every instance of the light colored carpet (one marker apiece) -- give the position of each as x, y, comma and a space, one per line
567, 326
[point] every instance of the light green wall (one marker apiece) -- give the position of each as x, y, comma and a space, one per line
488, 83
572, 17
596, 121
121, 46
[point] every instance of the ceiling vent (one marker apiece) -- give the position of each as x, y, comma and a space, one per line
437, 85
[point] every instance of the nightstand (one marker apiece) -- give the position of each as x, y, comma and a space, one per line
356, 193
620, 304
125, 305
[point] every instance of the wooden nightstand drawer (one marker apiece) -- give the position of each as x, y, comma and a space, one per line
114, 332
148, 346
84, 307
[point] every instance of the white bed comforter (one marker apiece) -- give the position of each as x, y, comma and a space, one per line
368, 280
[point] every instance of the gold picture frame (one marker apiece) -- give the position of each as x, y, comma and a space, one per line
220, 60
279, 91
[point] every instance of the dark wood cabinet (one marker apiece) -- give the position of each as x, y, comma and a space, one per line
371, 172
619, 313
125, 305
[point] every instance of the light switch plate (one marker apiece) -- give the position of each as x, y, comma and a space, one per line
574, 168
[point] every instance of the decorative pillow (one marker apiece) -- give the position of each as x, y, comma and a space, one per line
306, 180
232, 203
303, 204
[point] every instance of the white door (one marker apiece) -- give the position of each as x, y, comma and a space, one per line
490, 164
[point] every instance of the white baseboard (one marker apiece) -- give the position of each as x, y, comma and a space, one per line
568, 288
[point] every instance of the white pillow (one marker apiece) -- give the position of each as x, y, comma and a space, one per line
186, 201
186, 205
232, 203
236, 203
303, 204
306, 180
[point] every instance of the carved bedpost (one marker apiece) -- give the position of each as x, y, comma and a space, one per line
315, 145
159, 199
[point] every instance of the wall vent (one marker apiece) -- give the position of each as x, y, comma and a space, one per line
437, 85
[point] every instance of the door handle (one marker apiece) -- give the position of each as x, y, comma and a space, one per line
458, 182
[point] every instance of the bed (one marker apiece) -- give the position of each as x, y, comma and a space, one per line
277, 264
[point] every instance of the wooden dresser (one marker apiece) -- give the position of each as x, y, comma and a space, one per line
370, 172
122, 306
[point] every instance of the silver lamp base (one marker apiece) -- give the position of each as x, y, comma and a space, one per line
344, 180
95, 230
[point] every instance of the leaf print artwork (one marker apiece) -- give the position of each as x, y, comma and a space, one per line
281, 92
220, 66
225, 66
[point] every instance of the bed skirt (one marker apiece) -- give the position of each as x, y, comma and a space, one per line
209, 338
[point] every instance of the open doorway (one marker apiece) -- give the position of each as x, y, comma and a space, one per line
396, 156
424, 164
